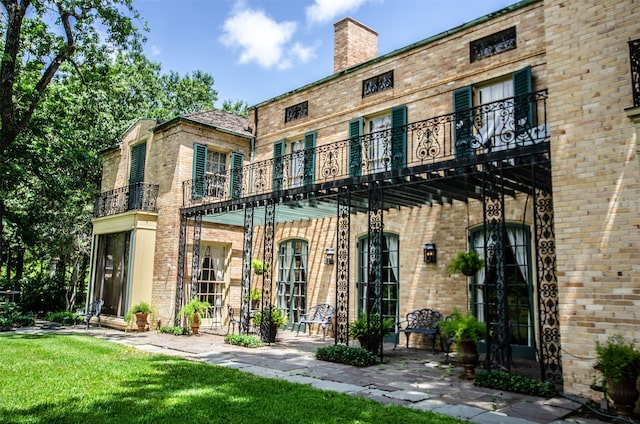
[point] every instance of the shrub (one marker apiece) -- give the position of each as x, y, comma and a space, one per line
61, 317
514, 383
177, 331
617, 359
243, 340
349, 355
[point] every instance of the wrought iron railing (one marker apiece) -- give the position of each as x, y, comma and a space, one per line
634, 55
499, 126
139, 196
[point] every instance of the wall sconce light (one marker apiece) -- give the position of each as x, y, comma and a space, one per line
430, 253
328, 256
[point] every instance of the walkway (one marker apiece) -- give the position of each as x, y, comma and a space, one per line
410, 377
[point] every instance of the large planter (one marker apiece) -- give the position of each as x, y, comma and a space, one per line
141, 321
195, 324
623, 393
371, 342
268, 333
468, 357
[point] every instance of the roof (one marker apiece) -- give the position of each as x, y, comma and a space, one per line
215, 118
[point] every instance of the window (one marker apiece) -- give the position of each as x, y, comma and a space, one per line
211, 283
383, 147
297, 168
506, 283
111, 272
378, 157
389, 279
292, 279
501, 119
210, 178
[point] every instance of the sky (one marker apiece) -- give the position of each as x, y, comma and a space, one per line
258, 49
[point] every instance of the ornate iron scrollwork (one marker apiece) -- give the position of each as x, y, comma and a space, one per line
195, 263
245, 289
182, 247
342, 268
550, 361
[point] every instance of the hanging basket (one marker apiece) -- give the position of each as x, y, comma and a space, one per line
469, 272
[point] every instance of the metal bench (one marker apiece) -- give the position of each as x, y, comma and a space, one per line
421, 321
322, 314
95, 309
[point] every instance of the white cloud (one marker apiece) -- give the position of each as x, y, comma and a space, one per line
155, 50
327, 10
263, 40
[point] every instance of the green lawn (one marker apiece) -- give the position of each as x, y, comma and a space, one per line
79, 379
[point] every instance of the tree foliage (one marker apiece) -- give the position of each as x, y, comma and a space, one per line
57, 125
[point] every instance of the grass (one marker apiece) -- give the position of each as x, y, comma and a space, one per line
75, 379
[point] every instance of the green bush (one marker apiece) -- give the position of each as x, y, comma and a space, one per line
177, 331
61, 317
243, 340
11, 316
349, 355
514, 383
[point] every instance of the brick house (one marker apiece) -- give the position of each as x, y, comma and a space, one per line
514, 135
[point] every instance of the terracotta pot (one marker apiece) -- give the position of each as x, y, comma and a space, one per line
624, 394
141, 321
195, 324
468, 357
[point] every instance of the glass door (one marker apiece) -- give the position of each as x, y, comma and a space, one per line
292, 279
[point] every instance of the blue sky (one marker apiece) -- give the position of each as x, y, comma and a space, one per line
259, 49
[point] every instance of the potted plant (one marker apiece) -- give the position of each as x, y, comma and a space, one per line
619, 363
370, 331
194, 311
465, 331
140, 312
468, 263
255, 296
258, 266
268, 321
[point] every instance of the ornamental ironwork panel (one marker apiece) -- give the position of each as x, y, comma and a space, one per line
495, 287
342, 266
377, 84
296, 112
247, 246
548, 302
493, 44
195, 257
182, 247
374, 264
267, 275
634, 55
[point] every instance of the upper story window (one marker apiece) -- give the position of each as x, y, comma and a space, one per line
210, 175
496, 115
138, 159
216, 162
294, 162
378, 142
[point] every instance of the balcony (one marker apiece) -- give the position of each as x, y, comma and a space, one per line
501, 133
134, 197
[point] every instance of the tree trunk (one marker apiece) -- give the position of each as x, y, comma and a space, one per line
1, 233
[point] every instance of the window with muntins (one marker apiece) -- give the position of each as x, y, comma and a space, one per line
211, 283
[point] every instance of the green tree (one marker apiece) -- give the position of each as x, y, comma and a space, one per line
239, 107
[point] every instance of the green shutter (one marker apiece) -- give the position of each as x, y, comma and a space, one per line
463, 125
398, 137
309, 157
355, 147
521, 89
235, 186
199, 170
138, 157
278, 176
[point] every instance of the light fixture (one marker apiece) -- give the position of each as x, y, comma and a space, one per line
430, 253
328, 256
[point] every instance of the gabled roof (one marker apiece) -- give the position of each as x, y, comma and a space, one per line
214, 118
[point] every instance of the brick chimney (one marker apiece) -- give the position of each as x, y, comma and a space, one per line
353, 43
